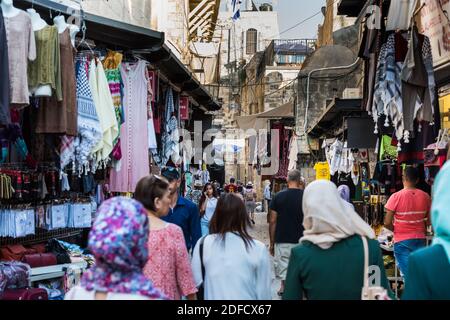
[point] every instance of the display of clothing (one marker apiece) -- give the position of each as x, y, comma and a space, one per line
105, 110
55, 116
293, 152
46, 68
418, 81
5, 117
171, 136
135, 162
89, 129
152, 144
322, 171
111, 64
387, 150
22, 48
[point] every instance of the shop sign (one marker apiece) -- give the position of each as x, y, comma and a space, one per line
184, 108
436, 26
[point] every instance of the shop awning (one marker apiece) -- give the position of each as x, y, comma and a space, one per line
351, 8
147, 42
259, 121
113, 33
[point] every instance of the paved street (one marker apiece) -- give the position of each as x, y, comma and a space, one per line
261, 232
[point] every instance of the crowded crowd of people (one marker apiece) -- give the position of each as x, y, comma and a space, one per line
160, 245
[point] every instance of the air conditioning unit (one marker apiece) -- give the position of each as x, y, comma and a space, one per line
352, 93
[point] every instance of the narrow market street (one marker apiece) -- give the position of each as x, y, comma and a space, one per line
260, 231
140, 141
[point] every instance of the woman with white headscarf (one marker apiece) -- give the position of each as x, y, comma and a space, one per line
429, 268
329, 262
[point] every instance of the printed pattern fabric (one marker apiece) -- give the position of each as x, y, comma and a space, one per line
112, 65
89, 129
118, 240
169, 267
170, 139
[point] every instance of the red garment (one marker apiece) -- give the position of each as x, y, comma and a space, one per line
231, 188
168, 266
411, 208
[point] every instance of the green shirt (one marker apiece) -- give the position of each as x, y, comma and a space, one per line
428, 275
332, 274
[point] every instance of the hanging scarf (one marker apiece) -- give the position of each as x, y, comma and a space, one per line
89, 129
440, 210
118, 241
170, 139
328, 218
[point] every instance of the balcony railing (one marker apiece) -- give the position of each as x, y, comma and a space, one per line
292, 51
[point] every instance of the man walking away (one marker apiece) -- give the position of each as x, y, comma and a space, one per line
232, 187
286, 228
183, 213
407, 214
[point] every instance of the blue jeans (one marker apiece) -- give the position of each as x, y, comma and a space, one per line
403, 249
204, 224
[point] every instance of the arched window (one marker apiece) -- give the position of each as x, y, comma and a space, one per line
252, 41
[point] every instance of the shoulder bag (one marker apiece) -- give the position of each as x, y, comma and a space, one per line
370, 293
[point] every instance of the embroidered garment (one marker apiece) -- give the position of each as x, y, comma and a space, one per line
112, 64
169, 266
135, 162
118, 241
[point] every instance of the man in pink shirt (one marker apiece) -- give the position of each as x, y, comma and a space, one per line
407, 214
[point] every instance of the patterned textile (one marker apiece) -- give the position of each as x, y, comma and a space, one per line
112, 64
67, 152
170, 139
194, 196
118, 241
89, 129
169, 266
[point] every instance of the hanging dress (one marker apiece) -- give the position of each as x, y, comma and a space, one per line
135, 161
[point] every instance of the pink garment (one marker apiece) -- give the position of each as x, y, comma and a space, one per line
411, 208
133, 133
169, 267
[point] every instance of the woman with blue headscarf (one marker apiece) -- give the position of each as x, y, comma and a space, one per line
118, 241
344, 192
429, 268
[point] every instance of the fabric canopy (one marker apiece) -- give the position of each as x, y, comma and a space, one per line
259, 121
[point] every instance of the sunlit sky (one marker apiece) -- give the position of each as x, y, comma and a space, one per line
291, 12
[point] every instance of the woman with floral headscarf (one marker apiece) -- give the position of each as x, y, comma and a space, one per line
118, 241
429, 268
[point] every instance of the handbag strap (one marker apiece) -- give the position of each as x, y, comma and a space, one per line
366, 262
201, 259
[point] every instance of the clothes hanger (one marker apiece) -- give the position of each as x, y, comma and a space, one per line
83, 39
